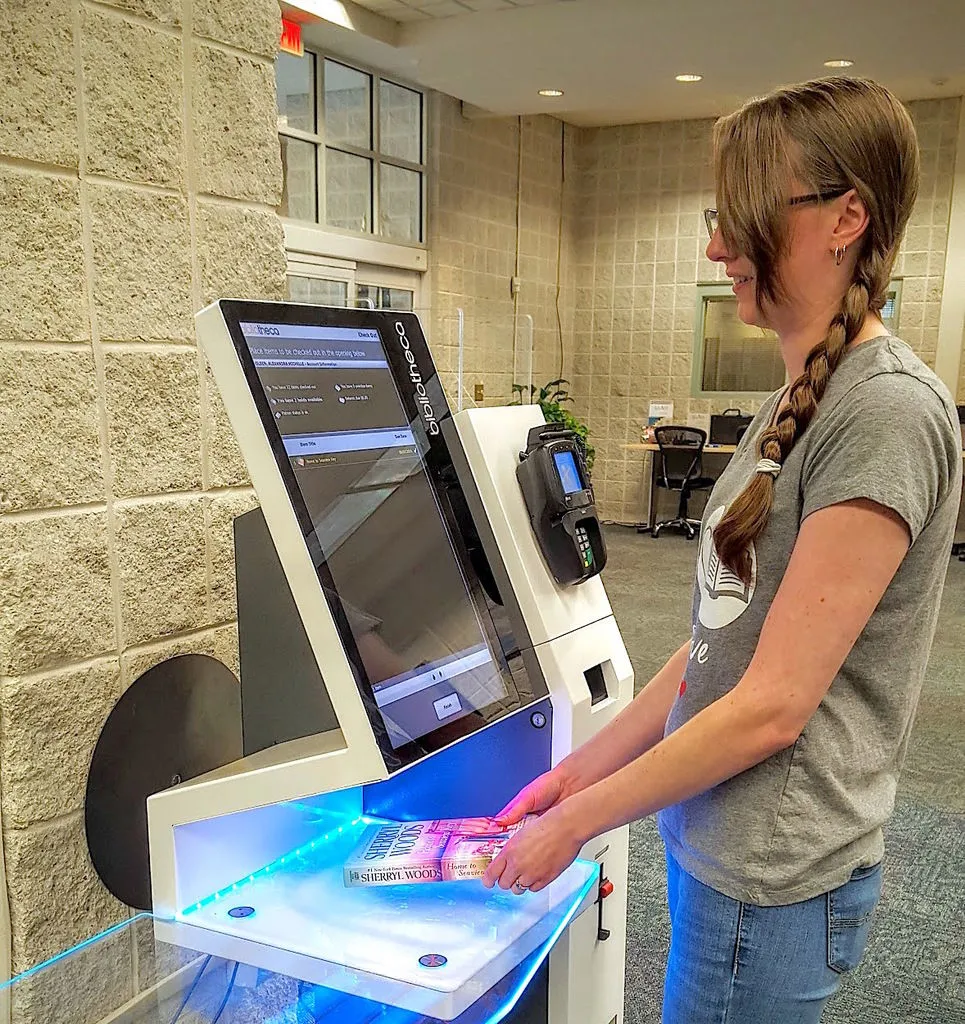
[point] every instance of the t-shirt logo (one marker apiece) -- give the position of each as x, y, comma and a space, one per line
723, 595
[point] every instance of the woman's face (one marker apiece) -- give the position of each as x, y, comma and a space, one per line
807, 271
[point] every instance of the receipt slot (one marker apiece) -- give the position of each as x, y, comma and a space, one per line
559, 499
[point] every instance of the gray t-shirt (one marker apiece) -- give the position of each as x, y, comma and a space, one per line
798, 824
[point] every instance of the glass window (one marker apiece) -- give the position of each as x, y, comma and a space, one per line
353, 149
732, 358
348, 106
379, 297
400, 203
318, 291
737, 358
348, 191
300, 191
400, 122
295, 79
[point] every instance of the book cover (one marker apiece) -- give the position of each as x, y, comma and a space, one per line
413, 852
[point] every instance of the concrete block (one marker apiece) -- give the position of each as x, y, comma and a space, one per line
162, 569
252, 25
133, 95
85, 988
50, 727
154, 421
166, 12
226, 467
56, 898
235, 127
37, 67
223, 511
44, 296
48, 411
157, 960
241, 253
220, 643
142, 265
56, 582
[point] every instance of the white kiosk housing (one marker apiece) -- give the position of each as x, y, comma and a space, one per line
405, 654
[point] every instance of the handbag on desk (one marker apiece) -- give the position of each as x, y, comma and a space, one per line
729, 426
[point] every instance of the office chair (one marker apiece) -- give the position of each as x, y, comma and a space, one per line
681, 469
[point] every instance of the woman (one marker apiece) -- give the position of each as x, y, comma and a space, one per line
770, 743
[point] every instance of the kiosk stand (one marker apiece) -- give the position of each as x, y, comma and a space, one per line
406, 654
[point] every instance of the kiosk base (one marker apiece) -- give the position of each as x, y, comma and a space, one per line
432, 948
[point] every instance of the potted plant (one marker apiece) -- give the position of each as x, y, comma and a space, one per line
551, 398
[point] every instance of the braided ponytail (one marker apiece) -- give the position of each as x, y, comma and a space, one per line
748, 514
841, 133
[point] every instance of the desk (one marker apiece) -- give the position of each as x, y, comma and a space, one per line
725, 449
709, 449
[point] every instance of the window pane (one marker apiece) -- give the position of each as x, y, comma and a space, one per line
400, 203
348, 191
317, 290
400, 122
299, 193
295, 79
348, 106
379, 297
737, 357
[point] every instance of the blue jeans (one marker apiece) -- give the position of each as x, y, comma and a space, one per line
735, 963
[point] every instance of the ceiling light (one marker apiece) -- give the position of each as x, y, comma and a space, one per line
689, 78
551, 92
841, 63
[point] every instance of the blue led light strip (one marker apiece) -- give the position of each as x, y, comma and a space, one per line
74, 949
513, 998
268, 868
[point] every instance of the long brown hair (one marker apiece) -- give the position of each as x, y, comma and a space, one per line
832, 135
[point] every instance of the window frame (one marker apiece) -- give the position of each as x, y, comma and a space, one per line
719, 289
355, 273
319, 140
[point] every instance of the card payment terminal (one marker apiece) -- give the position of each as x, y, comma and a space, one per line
559, 499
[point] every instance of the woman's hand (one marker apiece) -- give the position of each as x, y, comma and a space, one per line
541, 851
544, 792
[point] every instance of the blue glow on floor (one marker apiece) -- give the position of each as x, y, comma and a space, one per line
74, 949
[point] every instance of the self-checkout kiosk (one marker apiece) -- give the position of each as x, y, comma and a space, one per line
422, 631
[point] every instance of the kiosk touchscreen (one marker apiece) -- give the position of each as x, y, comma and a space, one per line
354, 428
455, 669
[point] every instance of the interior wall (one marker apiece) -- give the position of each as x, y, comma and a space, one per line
639, 254
495, 180
139, 174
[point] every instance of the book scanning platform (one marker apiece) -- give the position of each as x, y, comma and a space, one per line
415, 647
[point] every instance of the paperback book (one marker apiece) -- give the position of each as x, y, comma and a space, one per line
412, 852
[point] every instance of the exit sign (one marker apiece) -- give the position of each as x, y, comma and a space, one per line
291, 38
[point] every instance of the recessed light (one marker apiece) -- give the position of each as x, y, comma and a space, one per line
689, 78
551, 92
840, 63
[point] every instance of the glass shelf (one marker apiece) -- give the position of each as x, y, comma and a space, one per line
507, 939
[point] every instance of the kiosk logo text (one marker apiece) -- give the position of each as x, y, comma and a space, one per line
421, 395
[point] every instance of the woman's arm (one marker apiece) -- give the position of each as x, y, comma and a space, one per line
637, 728
844, 559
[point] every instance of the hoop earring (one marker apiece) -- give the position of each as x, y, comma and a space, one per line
839, 251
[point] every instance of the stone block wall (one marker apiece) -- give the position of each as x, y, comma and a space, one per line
139, 176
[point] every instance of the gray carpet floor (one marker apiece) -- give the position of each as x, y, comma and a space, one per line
914, 970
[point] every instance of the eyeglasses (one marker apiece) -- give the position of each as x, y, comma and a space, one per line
711, 220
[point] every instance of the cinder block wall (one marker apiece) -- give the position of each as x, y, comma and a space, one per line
139, 174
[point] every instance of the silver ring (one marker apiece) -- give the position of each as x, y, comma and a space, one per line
519, 885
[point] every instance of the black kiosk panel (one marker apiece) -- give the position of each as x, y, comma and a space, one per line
352, 407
